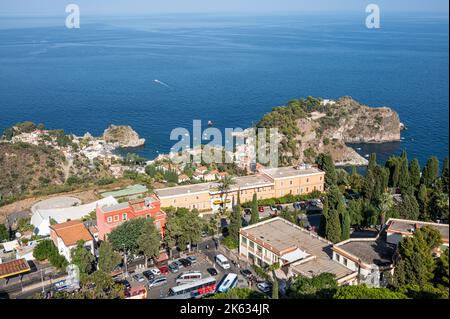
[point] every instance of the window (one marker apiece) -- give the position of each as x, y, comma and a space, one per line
251, 244
290, 182
338, 257
116, 218
307, 180
124, 216
320, 177
244, 240
109, 219
259, 248
307, 189
345, 261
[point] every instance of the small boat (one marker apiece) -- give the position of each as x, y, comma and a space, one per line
367, 155
358, 148
210, 123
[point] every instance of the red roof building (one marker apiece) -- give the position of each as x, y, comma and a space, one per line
109, 217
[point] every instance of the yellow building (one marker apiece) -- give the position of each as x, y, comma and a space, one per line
268, 183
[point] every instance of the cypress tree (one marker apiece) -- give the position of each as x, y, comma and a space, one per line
422, 198
372, 162
404, 181
334, 231
430, 171
323, 219
255, 213
345, 226
325, 162
414, 173
236, 220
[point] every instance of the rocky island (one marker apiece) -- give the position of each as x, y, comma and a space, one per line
312, 126
123, 135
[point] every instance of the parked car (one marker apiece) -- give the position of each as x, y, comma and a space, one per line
173, 268
155, 271
279, 207
139, 277
192, 259
261, 209
265, 286
148, 274
179, 264
204, 234
246, 273
185, 262
164, 270
273, 208
124, 282
247, 211
158, 281
212, 271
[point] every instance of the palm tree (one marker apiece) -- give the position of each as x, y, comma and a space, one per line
385, 205
224, 187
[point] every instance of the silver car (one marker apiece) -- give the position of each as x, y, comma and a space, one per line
158, 281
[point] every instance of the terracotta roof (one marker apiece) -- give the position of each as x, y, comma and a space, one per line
14, 267
71, 232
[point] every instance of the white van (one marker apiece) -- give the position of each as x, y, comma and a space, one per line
222, 261
188, 277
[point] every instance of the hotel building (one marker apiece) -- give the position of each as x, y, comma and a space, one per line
267, 183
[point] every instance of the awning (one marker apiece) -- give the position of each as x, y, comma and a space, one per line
15, 267
294, 256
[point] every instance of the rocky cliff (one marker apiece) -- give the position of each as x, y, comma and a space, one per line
312, 126
123, 135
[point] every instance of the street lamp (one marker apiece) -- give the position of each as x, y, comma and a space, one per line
125, 261
42, 280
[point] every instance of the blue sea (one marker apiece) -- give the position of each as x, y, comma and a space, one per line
230, 69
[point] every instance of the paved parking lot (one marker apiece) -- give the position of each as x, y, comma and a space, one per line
204, 261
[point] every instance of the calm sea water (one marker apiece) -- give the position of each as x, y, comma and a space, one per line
228, 69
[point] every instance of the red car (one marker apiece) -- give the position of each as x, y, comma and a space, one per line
261, 209
164, 270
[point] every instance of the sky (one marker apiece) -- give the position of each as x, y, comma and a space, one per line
125, 7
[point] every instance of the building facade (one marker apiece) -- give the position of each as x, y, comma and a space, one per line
109, 217
66, 236
267, 183
296, 250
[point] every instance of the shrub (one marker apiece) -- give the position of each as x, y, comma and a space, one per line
230, 242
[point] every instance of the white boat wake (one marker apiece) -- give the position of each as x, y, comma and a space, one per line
163, 84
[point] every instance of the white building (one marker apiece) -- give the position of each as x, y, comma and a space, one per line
371, 258
65, 236
298, 251
41, 217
